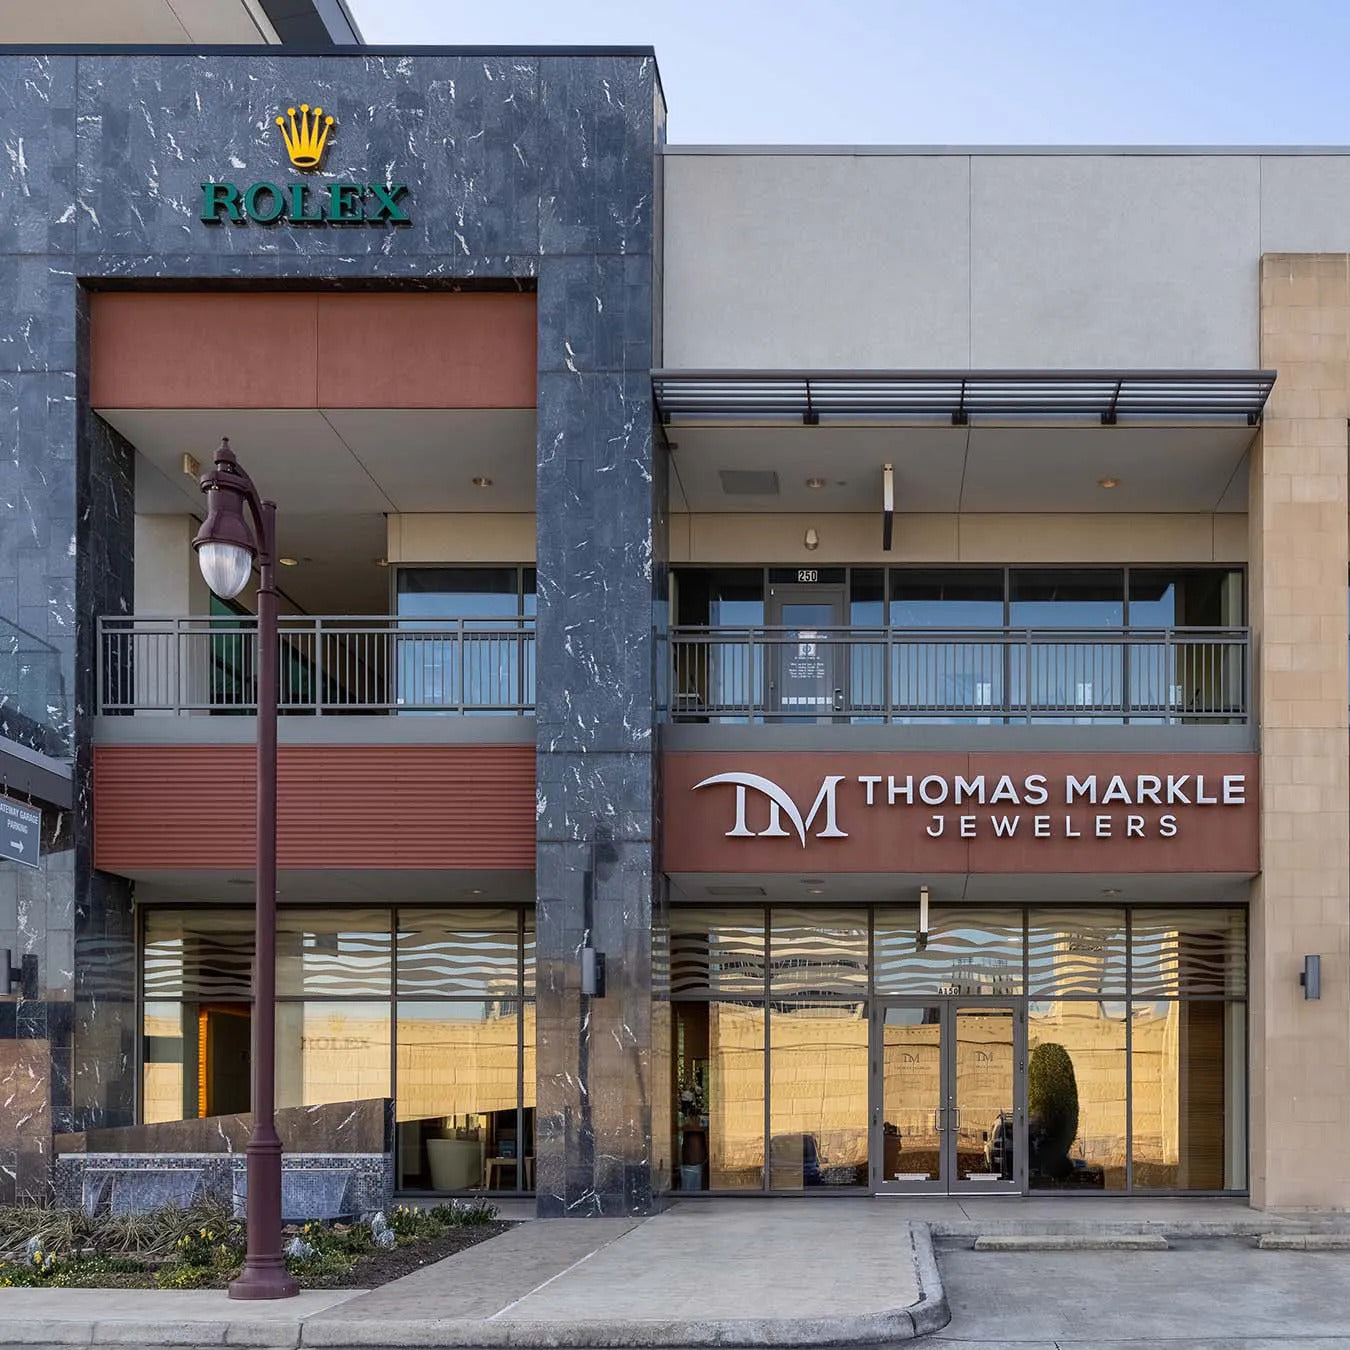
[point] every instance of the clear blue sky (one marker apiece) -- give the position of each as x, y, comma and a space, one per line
1187, 72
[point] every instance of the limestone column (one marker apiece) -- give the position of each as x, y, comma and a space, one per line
1300, 1050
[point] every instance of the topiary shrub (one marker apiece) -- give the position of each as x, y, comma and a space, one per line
1052, 1106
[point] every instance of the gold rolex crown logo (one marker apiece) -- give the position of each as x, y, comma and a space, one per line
305, 135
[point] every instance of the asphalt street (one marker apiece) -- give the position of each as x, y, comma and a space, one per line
1201, 1295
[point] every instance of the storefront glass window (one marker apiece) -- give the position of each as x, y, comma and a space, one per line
1076, 1096
818, 1088
1076, 953
331, 1051
463, 1056
967, 951
717, 951
475, 952
333, 953
457, 1068
1187, 1064
818, 952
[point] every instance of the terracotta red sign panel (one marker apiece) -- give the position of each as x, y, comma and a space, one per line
984, 812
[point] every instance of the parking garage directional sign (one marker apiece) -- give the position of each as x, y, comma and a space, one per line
20, 832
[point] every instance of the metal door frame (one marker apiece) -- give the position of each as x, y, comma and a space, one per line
950, 1182
989, 1003
801, 593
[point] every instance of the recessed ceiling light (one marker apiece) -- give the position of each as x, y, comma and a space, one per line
289, 562
380, 562
481, 482
475, 891
1110, 890
815, 890
1108, 483
814, 483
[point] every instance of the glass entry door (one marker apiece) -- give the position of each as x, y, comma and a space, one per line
947, 1096
807, 664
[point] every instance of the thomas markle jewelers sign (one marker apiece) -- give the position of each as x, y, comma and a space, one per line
978, 812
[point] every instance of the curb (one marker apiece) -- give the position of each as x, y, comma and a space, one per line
1072, 1242
929, 1313
1304, 1242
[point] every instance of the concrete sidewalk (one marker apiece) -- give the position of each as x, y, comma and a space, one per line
791, 1273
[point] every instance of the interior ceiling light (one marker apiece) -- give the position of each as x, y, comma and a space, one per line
815, 483
481, 482
289, 562
1108, 483
380, 562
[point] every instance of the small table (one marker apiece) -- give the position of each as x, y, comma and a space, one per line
495, 1168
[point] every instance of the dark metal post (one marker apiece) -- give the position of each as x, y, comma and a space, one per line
265, 1274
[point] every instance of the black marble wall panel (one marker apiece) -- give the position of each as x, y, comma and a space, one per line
521, 170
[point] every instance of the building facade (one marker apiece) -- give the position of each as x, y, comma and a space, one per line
891, 603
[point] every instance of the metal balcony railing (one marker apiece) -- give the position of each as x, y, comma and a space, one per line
328, 664
988, 675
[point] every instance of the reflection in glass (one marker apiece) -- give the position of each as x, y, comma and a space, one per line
735, 1090
717, 951
163, 1064
817, 1095
457, 1088
1076, 1098
1171, 678
1064, 676
1076, 952
1189, 953
940, 673
912, 1109
474, 952
818, 951
487, 662
969, 951
331, 1052
1189, 1095
333, 953
720, 674
985, 1093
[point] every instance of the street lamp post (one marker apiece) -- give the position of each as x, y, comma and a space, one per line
226, 548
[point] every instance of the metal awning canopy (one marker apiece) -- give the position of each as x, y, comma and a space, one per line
811, 397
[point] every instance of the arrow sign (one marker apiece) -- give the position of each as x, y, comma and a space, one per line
21, 829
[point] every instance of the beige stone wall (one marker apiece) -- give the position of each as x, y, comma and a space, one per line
1111, 538
1300, 1050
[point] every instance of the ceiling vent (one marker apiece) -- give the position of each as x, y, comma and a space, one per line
749, 482
736, 890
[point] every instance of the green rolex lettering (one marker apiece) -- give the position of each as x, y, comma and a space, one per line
386, 203
299, 199
218, 197
344, 203
264, 212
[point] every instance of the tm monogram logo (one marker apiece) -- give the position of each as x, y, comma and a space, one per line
780, 805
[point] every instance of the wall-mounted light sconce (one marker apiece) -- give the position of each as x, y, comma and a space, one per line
1311, 977
887, 506
811, 538
21, 979
921, 937
592, 973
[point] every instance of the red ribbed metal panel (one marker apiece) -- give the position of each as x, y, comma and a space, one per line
397, 806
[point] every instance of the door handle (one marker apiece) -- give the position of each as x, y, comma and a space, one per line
956, 1114
839, 700
937, 1120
